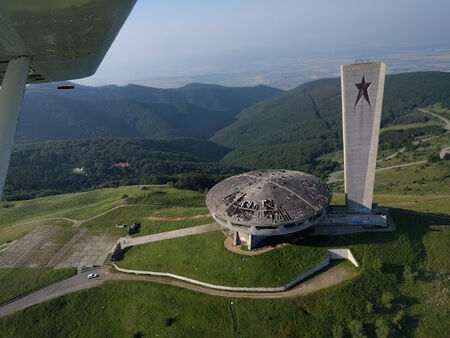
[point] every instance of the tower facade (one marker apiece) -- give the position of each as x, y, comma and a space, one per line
362, 88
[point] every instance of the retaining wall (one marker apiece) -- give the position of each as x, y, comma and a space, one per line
332, 254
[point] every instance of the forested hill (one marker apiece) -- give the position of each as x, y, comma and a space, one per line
195, 110
39, 169
293, 129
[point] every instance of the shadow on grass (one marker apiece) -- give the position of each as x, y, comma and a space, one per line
410, 223
332, 264
119, 254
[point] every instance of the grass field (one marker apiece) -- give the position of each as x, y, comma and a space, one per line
421, 203
77, 206
383, 295
420, 179
152, 227
16, 282
135, 213
204, 257
428, 181
84, 205
432, 122
403, 282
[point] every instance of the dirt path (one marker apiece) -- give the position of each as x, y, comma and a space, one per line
446, 121
115, 208
76, 222
330, 277
387, 158
337, 173
446, 150
400, 165
333, 178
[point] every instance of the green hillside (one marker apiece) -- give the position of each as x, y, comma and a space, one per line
195, 110
401, 288
293, 129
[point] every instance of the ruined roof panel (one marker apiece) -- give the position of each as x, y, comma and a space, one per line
269, 197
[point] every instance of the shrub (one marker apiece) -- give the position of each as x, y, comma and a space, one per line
386, 299
337, 331
356, 329
381, 328
408, 275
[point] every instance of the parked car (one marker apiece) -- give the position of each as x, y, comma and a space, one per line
92, 275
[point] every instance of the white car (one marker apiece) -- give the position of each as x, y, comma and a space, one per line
92, 275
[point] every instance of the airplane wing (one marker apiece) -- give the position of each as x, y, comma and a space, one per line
64, 39
45, 41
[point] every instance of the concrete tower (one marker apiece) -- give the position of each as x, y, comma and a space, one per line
362, 88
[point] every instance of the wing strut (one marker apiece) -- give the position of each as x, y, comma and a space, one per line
11, 97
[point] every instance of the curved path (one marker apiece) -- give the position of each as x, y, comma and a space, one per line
333, 276
330, 277
446, 121
64, 287
333, 176
446, 150
76, 222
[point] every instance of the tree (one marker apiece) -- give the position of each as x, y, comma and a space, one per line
399, 319
381, 328
377, 264
386, 299
408, 275
356, 329
369, 307
338, 331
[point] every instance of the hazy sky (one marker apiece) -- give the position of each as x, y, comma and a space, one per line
164, 38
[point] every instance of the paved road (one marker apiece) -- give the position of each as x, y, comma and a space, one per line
69, 285
330, 277
127, 241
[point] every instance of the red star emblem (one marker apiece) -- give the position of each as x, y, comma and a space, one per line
363, 86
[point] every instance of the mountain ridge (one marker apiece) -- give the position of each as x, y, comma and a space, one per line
201, 109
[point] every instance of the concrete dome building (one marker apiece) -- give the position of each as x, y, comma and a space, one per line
267, 203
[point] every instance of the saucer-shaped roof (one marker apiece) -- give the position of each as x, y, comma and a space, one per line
268, 198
